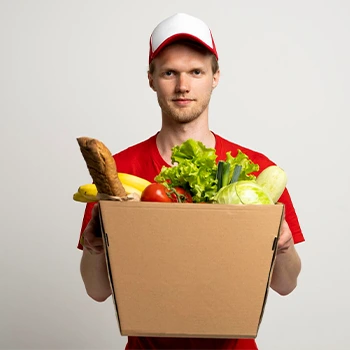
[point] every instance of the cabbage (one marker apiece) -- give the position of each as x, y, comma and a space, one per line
242, 192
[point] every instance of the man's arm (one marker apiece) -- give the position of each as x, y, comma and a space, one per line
93, 267
287, 265
93, 270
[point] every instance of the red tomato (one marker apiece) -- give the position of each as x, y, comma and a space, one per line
181, 195
156, 192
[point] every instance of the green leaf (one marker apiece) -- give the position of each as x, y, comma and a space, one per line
194, 169
248, 166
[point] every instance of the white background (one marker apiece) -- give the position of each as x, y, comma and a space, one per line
73, 68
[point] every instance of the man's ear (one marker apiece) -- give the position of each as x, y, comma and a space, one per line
150, 81
216, 78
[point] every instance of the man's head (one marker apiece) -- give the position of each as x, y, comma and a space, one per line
185, 29
183, 68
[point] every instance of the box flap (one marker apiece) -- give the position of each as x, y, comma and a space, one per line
274, 248
105, 245
190, 270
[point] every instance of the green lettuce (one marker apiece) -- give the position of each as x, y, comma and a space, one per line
195, 169
248, 166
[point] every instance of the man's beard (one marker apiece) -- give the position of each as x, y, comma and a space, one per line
186, 114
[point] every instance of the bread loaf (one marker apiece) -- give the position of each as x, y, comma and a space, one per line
101, 166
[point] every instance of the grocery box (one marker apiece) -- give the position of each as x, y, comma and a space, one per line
188, 269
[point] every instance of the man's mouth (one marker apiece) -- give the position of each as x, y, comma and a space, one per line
182, 101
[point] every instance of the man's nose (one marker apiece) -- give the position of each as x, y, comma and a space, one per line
183, 83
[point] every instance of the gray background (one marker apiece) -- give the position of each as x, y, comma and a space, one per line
74, 68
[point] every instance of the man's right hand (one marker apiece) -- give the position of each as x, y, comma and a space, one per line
92, 234
93, 262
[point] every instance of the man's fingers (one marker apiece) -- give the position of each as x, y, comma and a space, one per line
93, 243
284, 244
286, 238
94, 215
94, 211
96, 250
94, 223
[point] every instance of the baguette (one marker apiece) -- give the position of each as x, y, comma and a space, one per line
101, 166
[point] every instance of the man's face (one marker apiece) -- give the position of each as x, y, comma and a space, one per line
183, 80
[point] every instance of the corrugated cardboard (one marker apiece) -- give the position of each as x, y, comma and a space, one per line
190, 270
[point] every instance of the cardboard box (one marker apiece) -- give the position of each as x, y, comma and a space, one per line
190, 270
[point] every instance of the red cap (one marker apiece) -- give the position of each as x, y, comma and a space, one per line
180, 26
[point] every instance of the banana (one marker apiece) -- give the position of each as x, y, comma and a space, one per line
134, 181
88, 190
131, 183
78, 197
130, 190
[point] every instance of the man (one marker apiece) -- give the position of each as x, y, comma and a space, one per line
183, 72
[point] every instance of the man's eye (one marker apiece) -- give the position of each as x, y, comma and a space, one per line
168, 73
197, 72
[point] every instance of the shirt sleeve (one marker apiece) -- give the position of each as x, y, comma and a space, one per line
291, 217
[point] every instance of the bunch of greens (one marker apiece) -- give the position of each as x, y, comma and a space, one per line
196, 170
